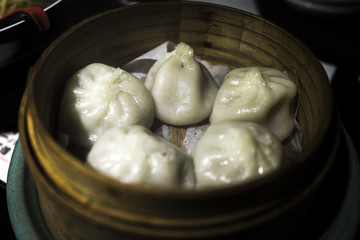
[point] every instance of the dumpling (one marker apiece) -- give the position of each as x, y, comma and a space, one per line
99, 97
257, 94
233, 152
183, 89
135, 155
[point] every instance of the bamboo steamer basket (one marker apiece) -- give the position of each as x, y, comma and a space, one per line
79, 203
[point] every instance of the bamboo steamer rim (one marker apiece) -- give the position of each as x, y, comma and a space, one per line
130, 228
304, 160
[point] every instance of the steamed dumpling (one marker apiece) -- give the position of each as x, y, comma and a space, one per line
234, 152
134, 154
100, 97
183, 90
257, 94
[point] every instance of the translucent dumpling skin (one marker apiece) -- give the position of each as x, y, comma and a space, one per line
257, 94
135, 155
183, 90
234, 152
99, 97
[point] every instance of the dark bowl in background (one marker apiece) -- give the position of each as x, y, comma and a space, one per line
22, 43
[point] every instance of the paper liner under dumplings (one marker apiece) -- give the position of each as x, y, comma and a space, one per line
186, 136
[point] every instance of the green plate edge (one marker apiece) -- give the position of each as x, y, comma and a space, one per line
23, 206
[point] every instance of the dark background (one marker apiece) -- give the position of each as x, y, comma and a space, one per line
333, 37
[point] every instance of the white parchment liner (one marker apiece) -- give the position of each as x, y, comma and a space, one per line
187, 136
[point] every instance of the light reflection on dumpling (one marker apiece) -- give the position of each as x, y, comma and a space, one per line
233, 152
135, 155
99, 97
183, 89
257, 94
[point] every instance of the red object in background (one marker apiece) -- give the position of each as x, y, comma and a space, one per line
36, 14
